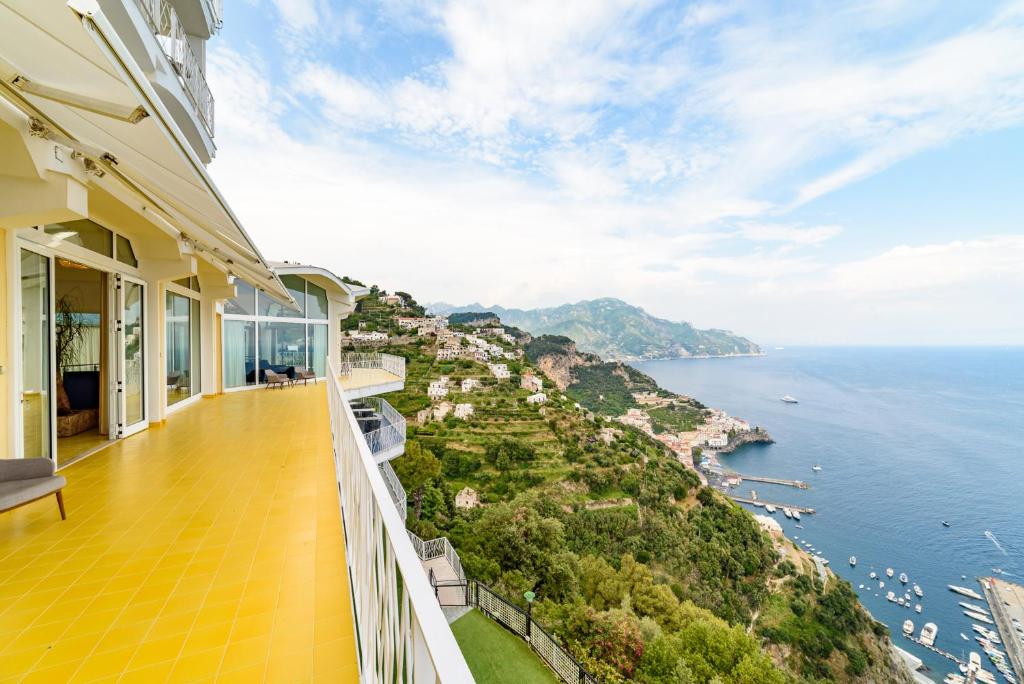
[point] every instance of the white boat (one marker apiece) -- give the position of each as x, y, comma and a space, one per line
873, 575
890, 596
816, 468
964, 637
964, 591
881, 584
888, 572
903, 577
973, 608
952, 678
918, 608
790, 400
861, 586
917, 591
770, 508
788, 513
979, 617
928, 633
908, 627
796, 514
901, 601
853, 561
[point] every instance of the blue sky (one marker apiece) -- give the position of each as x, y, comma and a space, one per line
842, 172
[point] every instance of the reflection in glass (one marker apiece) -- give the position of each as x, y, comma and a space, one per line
244, 303
132, 326
271, 307
239, 353
35, 354
282, 347
316, 303
318, 349
179, 347
84, 233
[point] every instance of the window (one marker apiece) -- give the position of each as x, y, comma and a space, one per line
189, 283
84, 233
282, 347
125, 253
316, 302
272, 308
239, 353
183, 347
244, 303
318, 348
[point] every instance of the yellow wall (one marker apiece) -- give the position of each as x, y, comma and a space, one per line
5, 359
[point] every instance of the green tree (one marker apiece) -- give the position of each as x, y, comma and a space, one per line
415, 469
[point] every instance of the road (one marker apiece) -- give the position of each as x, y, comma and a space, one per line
1007, 602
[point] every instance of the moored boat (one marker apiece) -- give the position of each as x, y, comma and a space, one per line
979, 617
917, 591
796, 514
853, 561
889, 573
790, 400
928, 633
964, 591
908, 627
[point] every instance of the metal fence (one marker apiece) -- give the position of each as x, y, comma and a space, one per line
395, 488
391, 433
372, 361
163, 21
516, 620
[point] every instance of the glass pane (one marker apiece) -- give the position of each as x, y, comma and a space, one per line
282, 347
245, 302
196, 348
193, 282
239, 353
132, 326
318, 349
35, 354
84, 233
183, 282
125, 253
316, 303
271, 307
179, 348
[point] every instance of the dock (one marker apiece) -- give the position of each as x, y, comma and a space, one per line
761, 503
933, 649
799, 484
1006, 602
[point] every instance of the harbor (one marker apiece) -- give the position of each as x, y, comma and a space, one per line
1006, 600
761, 503
799, 484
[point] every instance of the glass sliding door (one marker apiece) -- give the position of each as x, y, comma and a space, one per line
318, 349
35, 355
282, 347
178, 319
131, 385
239, 353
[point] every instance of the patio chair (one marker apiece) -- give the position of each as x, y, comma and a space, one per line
24, 480
279, 379
304, 374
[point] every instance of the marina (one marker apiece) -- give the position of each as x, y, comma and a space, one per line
1006, 601
799, 484
762, 504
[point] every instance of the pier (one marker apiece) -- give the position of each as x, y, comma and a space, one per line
1006, 601
933, 649
762, 503
799, 484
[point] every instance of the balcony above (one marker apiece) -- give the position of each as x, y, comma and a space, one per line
383, 427
365, 375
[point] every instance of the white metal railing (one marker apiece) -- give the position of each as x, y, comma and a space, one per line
391, 433
395, 488
372, 361
402, 634
167, 28
435, 548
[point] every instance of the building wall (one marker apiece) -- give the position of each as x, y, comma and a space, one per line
6, 362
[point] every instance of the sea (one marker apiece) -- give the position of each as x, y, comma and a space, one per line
906, 438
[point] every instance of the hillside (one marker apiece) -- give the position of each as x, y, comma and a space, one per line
642, 572
616, 330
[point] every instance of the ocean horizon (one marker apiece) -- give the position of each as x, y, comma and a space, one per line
906, 437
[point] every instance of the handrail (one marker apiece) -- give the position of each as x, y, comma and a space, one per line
163, 21
402, 634
372, 361
435, 548
395, 488
391, 433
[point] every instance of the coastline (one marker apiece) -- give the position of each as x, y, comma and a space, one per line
645, 359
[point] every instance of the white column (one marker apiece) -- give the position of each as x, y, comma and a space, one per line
156, 367
209, 353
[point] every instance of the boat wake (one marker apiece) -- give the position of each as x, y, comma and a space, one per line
992, 538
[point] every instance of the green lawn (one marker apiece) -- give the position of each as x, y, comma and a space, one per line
495, 655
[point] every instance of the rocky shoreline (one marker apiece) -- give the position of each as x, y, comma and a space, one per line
756, 436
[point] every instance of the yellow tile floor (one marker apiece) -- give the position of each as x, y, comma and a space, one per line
206, 549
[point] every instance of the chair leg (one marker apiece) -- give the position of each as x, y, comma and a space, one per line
60, 504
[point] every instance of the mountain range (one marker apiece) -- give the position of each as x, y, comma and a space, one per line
615, 330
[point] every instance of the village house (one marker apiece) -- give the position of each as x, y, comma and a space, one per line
467, 498
637, 418
406, 323
538, 398
500, 371
463, 411
511, 339
437, 390
357, 337
719, 441
531, 382
608, 434
393, 300
470, 384
448, 353
442, 410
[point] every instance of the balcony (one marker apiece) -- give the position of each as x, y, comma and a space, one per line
383, 427
364, 375
167, 27
208, 548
